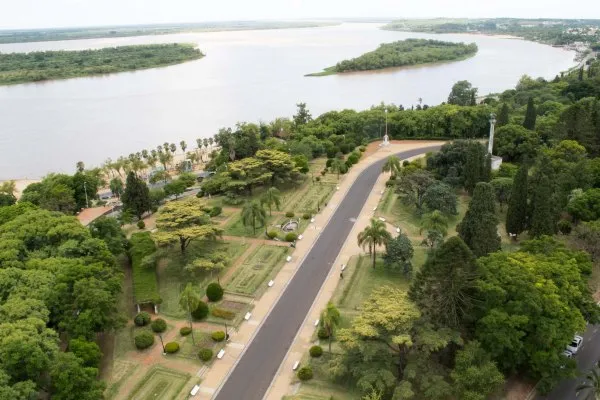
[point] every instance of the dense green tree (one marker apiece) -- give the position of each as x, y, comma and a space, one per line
175, 188
136, 197
478, 228
514, 143
109, 230
517, 213
23, 390
374, 235
543, 216
585, 207
475, 375
462, 94
183, 221
116, 187
435, 221
72, 380
88, 352
302, 116
338, 167
441, 197
444, 288
7, 193
530, 115
85, 187
254, 214
272, 197
502, 188
413, 185
330, 320
503, 116
398, 254
476, 169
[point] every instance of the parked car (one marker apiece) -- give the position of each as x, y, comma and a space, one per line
567, 354
575, 344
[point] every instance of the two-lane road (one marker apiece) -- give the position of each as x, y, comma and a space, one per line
251, 377
586, 357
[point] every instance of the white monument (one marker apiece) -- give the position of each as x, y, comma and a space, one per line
496, 161
386, 138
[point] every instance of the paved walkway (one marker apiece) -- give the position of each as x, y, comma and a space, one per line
222, 368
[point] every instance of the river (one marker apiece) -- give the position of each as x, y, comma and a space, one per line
245, 76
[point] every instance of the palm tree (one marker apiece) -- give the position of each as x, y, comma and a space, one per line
330, 319
271, 196
211, 141
592, 383
166, 147
253, 213
173, 148
337, 165
205, 142
80, 166
392, 164
189, 300
374, 235
435, 221
183, 145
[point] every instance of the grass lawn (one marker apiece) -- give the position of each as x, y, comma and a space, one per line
235, 227
308, 201
125, 339
187, 348
261, 265
159, 383
121, 371
172, 278
237, 309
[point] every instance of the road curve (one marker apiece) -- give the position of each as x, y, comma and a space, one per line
251, 377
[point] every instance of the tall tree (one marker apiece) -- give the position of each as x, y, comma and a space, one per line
71, 380
413, 185
475, 375
271, 197
183, 145
503, 116
338, 166
136, 197
502, 188
441, 197
516, 215
330, 320
189, 301
435, 221
254, 214
462, 94
392, 165
302, 116
530, 115
543, 217
398, 254
475, 167
444, 288
374, 235
116, 187
478, 228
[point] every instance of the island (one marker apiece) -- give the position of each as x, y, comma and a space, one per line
403, 53
47, 65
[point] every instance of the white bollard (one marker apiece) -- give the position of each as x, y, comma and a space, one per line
221, 354
271, 283
317, 322
288, 258
247, 316
296, 365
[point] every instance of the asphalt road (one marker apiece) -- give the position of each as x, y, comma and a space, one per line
586, 357
259, 363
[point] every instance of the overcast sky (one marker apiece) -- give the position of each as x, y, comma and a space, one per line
64, 13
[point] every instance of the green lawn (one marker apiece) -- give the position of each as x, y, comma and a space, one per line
235, 227
172, 278
187, 348
159, 383
315, 197
124, 340
261, 265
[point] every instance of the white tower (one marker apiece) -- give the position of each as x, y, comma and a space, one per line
491, 141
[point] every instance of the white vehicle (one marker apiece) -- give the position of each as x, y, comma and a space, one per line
575, 344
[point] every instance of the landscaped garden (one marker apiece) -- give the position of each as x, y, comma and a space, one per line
160, 383
257, 269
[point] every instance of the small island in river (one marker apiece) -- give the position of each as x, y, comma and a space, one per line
46, 65
403, 53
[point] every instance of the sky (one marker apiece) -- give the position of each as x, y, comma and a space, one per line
26, 14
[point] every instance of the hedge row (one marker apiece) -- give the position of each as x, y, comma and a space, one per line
145, 287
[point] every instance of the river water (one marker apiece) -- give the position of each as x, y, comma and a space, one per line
246, 76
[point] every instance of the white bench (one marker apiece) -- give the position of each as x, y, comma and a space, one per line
220, 354
195, 390
296, 365
247, 316
288, 258
343, 267
271, 283
300, 237
382, 219
317, 322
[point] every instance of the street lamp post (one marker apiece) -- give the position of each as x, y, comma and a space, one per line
386, 129
226, 334
162, 344
491, 140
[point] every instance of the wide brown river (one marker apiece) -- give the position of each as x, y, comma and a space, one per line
246, 76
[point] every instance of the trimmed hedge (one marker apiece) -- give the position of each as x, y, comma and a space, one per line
223, 313
322, 333
159, 325
172, 347
142, 319
201, 311
145, 287
205, 354
306, 216
186, 330
216, 210
305, 373
290, 237
289, 214
316, 351
214, 292
272, 234
144, 340
218, 336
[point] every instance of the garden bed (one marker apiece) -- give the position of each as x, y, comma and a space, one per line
159, 383
255, 271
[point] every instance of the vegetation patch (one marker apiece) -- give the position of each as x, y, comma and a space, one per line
312, 199
254, 271
159, 383
188, 350
145, 288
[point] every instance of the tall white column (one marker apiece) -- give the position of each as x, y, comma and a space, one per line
491, 140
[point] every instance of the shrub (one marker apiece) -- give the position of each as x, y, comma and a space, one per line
290, 237
214, 292
318, 179
329, 162
322, 333
390, 182
218, 336
142, 319
159, 325
316, 351
305, 373
205, 354
222, 313
171, 347
289, 214
306, 216
362, 149
216, 210
323, 172
186, 330
200, 194
565, 227
201, 311
141, 224
272, 234
144, 340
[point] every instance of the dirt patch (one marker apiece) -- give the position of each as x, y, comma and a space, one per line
232, 305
